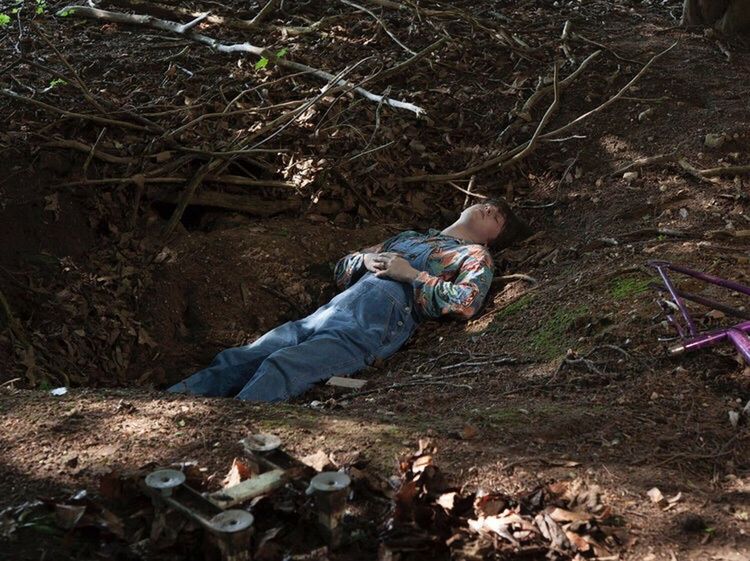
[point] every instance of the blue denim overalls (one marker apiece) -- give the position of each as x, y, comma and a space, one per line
371, 319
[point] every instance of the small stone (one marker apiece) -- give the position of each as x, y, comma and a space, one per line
630, 176
683, 213
714, 140
734, 418
643, 115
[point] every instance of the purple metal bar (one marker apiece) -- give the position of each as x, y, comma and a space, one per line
660, 266
676, 325
737, 335
730, 284
708, 302
709, 339
741, 341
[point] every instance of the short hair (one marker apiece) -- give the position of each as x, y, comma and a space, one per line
515, 229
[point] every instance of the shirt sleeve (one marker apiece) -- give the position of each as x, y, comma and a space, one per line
351, 268
463, 296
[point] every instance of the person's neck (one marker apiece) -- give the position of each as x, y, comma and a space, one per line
459, 230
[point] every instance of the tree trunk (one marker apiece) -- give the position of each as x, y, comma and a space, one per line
728, 16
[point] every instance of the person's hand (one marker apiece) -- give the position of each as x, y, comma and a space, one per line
374, 261
394, 267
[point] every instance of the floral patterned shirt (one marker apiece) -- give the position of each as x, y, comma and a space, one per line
454, 280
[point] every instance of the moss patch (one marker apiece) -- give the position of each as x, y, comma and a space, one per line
510, 310
628, 287
554, 336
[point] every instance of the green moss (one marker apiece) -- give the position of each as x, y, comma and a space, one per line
511, 310
517, 418
553, 337
628, 287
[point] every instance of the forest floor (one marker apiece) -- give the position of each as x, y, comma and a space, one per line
102, 301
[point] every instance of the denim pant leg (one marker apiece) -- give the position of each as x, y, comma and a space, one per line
294, 370
232, 368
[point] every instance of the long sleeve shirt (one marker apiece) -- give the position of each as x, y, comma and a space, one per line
454, 279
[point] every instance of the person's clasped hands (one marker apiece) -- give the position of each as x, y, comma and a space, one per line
390, 265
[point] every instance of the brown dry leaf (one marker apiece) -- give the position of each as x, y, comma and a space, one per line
675, 499
421, 463
426, 446
490, 504
655, 495
237, 473
163, 156
448, 501
469, 432
552, 531
67, 516
562, 515
578, 541
319, 461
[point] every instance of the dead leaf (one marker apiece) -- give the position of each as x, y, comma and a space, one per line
319, 461
655, 495
421, 463
495, 524
578, 541
163, 156
552, 531
469, 432
448, 501
562, 515
239, 472
490, 504
67, 516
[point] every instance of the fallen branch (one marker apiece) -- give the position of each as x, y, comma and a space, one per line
728, 170
656, 232
83, 147
192, 186
265, 11
432, 382
518, 276
254, 206
645, 162
467, 192
381, 22
688, 167
524, 114
140, 179
507, 158
260, 52
95, 118
223, 114
390, 72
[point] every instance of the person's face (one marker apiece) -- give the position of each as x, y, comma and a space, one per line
486, 221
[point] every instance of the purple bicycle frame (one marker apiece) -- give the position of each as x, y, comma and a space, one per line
691, 338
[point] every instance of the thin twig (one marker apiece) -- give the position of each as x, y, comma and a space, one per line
432, 382
96, 118
381, 22
260, 52
506, 158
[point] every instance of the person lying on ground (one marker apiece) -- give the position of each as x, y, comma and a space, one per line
387, 291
